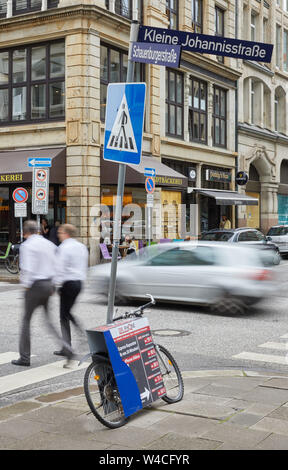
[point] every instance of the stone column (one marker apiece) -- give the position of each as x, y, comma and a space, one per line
83, 132
269, 204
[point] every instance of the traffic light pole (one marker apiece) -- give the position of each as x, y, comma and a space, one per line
120, 192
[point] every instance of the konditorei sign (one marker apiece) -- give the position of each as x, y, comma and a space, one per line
205, 44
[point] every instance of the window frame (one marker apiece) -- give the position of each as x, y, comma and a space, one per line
192, 111
105, 81
29, 8
220, 13
29, 83
169, 103
197, 26
174, 11
219, 116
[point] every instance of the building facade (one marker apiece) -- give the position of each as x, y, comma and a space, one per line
56, 60
262, 130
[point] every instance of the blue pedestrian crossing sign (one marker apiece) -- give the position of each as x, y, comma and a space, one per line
124, 122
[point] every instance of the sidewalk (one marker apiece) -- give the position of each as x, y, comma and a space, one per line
220, 410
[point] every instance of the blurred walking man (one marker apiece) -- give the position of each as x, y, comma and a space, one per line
72, 264
37, 265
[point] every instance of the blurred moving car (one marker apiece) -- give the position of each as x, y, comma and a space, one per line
278, 234
226, 278
250, 236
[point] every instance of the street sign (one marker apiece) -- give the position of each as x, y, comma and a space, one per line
149, 172
20, 209
20, 195
150, 200
150, 185
124, 122
40, 191
40, 162
204, 44
158, 54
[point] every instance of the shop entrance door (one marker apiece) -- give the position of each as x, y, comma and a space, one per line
171, 213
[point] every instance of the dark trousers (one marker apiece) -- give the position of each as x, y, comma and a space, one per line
37, 295
68, 294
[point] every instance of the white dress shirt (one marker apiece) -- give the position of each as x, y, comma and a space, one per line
72, 261
37, 260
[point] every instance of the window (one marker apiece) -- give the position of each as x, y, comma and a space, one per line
253, 27
114, 63
201, 256
124, 8
174, 103
197, 111
265, 30
276, 113
278, 45
172, 13
3, 8
197, 15
32, 83
219, 117
285, 51
219, 27
25, 6
252, 101
280, 110
249, 236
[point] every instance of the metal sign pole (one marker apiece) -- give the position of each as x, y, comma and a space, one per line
21, 229
120, 192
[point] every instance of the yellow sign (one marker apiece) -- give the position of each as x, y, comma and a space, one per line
11, 178
168, 180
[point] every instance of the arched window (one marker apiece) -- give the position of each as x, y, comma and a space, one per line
257, 107
279, 110
284, 172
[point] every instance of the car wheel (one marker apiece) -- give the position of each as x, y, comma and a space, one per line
229, 305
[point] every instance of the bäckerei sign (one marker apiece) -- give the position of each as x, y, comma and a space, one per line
217, 45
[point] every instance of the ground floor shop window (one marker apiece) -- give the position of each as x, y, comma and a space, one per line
4, 215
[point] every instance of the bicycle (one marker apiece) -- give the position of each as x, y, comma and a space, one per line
100, 385
11, 261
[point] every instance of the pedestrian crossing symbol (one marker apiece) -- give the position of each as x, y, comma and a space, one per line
124, 122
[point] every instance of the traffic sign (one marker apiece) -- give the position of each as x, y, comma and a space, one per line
124, 122
20, 209
149, 172
150, 200
150, 185
40, 191
40, 162
20, 195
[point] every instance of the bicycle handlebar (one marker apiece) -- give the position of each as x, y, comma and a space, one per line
138, 312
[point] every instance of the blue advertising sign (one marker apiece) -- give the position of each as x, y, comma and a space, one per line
124, 122
158, 54
217, 45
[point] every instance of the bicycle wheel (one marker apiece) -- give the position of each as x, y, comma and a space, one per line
171, 374
102, 395
12, 264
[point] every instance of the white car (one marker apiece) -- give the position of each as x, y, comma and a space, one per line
279, 235
225, 277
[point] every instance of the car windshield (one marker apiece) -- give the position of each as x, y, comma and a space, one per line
217, 236
277, 231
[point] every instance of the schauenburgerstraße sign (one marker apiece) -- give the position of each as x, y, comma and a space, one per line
217, 45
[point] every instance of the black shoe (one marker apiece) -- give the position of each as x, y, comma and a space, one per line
60, 353
20, 362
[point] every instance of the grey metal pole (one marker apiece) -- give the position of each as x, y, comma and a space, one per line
120, 191
21, 229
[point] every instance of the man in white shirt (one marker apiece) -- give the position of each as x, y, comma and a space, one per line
37, 269
72, 264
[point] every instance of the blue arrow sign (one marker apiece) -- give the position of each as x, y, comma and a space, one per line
124, 122
40, 162
149, 172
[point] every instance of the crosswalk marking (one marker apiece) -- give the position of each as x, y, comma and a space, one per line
276, 346
36, 374
284, 336
7, 357
250, 356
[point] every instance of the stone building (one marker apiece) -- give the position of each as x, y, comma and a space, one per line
263, 131
56, 60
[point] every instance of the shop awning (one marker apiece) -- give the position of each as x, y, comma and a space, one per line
227, 198
165, 176
14, 165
